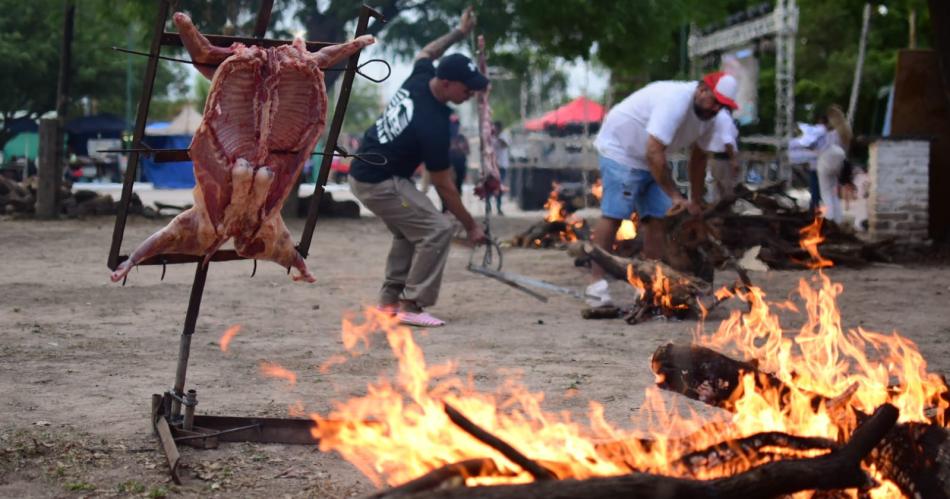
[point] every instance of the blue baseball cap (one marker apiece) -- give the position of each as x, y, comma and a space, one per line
457, 67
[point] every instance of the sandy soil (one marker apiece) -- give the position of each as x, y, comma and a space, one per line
81, 356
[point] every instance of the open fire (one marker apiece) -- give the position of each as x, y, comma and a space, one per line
810, 239
559, 227
557, 212
399, 430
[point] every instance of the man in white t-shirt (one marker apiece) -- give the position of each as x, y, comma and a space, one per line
724, 164
633, 143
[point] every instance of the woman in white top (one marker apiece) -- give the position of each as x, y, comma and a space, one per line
832, 149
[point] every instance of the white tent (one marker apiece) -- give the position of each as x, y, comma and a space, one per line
186, 123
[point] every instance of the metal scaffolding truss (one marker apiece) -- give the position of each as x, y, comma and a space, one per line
781, 24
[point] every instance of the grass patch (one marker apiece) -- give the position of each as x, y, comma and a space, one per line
80, 486
131, 487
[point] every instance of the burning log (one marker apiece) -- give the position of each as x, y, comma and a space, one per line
840, 469
617, 267
553, 234
710, 377
537, 471
664, 290
449, 474
915, 456
559, 227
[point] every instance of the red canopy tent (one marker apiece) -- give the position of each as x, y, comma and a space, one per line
579, 111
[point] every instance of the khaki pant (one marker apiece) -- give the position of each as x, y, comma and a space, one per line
421, 237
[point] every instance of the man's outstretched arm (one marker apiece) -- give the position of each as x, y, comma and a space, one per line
437, 47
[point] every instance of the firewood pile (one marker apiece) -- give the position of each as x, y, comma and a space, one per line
838, 469
866, 420
787, 236
663, 291
763, 228
561, 225
915, 456
20, 198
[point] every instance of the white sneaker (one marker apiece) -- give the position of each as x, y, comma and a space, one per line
598, 294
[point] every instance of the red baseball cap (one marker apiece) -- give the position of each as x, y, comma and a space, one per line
725, 87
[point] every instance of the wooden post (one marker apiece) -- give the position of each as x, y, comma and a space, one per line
859, 66
49, 169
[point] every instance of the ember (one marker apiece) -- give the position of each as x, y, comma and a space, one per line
272, 370
228, 335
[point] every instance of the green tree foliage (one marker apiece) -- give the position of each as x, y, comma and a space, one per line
636, 41
827, 52
30, 40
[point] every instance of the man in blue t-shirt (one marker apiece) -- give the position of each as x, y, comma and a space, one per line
414, 129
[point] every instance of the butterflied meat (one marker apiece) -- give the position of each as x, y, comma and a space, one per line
489, 183
264, 113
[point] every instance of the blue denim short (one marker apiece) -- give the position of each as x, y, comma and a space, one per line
628, 190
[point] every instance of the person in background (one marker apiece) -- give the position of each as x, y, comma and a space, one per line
724, 164
802, 150
633, 143
414, 128
832, 151
501, 146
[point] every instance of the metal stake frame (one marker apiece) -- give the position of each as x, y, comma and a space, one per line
168, 423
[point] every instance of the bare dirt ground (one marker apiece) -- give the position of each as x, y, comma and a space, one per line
81, 356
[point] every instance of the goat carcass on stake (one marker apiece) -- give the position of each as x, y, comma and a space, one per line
265, 111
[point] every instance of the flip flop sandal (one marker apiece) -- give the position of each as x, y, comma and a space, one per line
420, 319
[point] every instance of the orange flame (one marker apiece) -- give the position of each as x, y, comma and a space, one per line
398, 430
272, 370
558, 213
658, 292
810, 239
597, 190
228, 335
554, 205
628, 228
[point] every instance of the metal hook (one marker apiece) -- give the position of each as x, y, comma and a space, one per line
254, 272
381, 161
163, 270
389, 71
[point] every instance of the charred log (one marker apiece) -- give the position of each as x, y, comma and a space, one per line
837, 470
710, 377
448, 475
536, 470
914, 456
555, 234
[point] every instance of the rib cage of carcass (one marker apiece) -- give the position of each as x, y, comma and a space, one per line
264, 114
